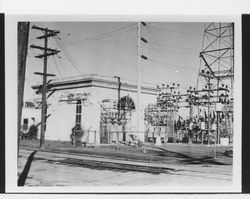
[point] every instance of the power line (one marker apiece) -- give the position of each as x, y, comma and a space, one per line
178, 47
72, 58
62, 65
161, 51
174, 65
109, 59
106, 41
57, 67
50, 68
103, 35
174, 30
69, 56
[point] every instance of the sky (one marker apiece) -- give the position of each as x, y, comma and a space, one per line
110, 48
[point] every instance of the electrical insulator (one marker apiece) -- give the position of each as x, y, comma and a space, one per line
144, 40
144, 57
115, 105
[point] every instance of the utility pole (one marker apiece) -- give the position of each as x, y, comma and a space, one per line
23, 37
139, 57
208, 75
139, 78
208, 106
46, 52
118, 104
191, 106
119, 95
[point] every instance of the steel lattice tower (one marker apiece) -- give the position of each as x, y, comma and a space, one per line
217, 56
216, 73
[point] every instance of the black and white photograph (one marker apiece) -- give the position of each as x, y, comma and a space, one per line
126, 103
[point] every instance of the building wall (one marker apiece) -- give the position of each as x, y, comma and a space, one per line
101, 93
29, 113
62, 118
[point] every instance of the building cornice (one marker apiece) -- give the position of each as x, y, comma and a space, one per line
98, 82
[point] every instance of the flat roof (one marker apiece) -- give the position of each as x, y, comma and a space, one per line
99, 81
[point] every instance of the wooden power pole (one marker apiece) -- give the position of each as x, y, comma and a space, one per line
23, 37
46, 52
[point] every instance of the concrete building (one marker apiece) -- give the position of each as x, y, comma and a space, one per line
82, 100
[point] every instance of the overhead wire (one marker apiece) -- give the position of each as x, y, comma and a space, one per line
106, 41
109, 59
174, 66
50, 68
57, 67
202, 46
161, 52
61, 64
174, 30
103, 35
69, 56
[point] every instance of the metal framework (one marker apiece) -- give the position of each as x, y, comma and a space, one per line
217, 69
217, 55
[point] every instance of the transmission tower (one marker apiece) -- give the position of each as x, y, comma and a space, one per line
217, 68
217, 55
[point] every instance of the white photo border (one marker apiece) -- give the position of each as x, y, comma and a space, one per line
11, 104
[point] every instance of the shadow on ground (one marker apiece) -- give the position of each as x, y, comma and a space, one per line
187, 159
23, 176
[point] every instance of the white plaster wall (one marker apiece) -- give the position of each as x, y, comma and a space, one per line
29, 113
62, 120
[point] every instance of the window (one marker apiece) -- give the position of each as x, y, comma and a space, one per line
78, 112
126, 103
25, 123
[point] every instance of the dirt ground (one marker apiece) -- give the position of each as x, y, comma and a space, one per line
187, 153
195, 165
